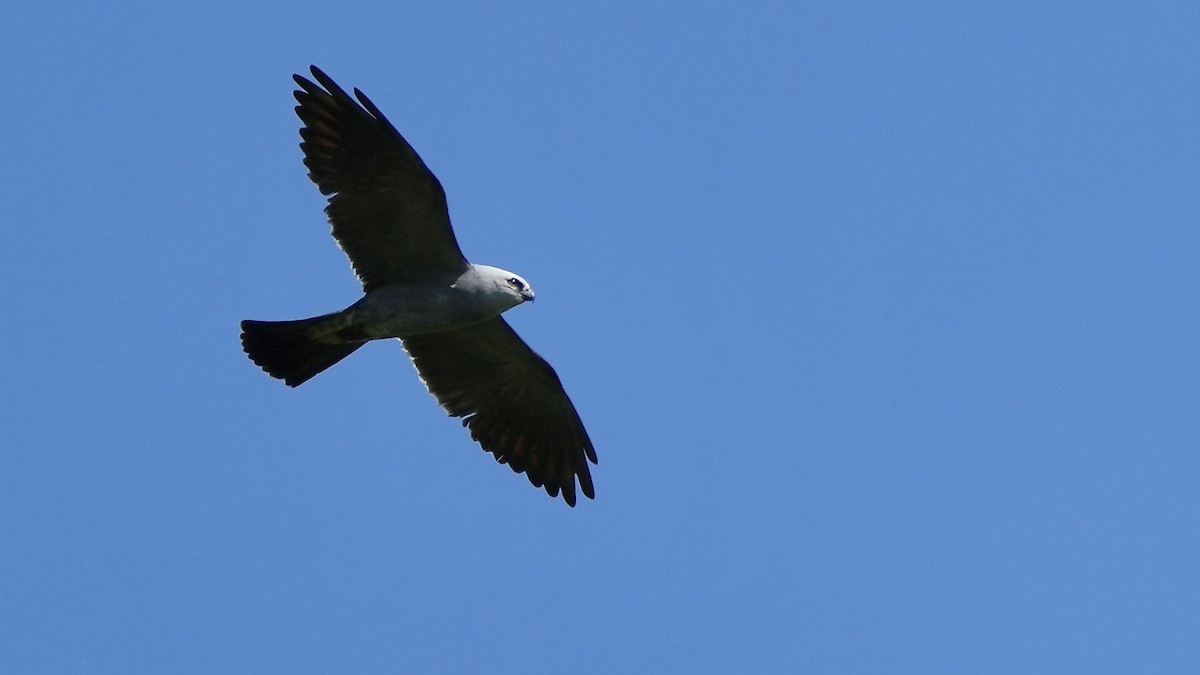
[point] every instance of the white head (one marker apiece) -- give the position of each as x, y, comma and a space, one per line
504, 287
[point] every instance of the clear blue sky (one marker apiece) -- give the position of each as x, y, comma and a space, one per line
884, 321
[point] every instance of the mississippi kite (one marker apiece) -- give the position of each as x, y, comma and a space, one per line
389, 215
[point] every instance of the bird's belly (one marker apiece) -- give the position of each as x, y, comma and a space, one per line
399, 312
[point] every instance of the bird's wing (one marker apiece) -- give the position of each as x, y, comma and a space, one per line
512, 401
387, 209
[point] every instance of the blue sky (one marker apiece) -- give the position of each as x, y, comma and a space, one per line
883, 319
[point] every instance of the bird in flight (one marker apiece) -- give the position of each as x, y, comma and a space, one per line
388, 213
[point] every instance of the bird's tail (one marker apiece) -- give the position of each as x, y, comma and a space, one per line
286, 351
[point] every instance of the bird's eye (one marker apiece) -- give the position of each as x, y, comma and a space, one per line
517, 283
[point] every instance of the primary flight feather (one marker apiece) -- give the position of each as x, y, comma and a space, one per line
389, 215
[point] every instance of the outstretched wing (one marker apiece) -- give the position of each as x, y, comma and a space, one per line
387, 209
512, 401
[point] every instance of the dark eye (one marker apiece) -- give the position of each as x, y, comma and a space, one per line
517, 283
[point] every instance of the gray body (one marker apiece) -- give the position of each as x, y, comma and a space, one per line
390, 217
401, 310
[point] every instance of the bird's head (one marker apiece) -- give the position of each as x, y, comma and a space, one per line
507, 288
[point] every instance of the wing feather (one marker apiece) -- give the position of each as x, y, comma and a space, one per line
511, 400
387, 209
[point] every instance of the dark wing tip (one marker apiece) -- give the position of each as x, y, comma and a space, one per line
317, 74
371, 107
568, 494
585, 483
323, 79
324, 86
